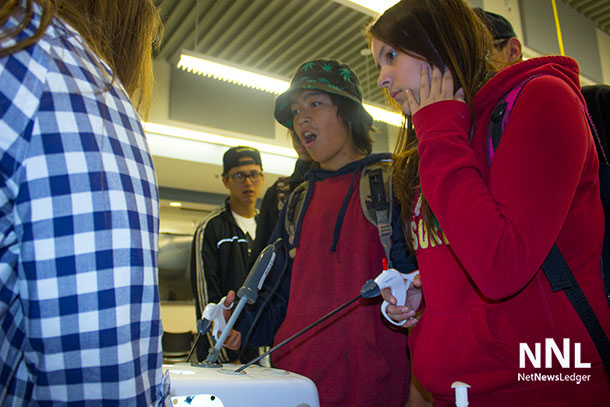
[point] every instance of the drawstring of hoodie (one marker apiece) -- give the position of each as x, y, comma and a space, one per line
341, 216
315, 175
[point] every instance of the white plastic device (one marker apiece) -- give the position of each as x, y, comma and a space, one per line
213, 312
399, 284
256, 386
461, 393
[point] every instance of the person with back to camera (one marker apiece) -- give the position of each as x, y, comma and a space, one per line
329, 250
506, 47
481, 231
506, 51
79, 305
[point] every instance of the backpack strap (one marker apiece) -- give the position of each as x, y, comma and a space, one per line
604, 193
293, 213
555, 267
376, 200
561, 277
499, 117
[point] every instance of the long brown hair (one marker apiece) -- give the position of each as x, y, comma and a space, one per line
353, 118
123, 33
449, 35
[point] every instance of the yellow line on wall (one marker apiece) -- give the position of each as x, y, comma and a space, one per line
559, 38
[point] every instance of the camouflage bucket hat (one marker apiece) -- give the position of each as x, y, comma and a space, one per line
326, 75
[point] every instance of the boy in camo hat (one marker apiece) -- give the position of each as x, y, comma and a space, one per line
333, 85
332, 250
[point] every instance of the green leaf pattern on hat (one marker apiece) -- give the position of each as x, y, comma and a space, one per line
307, 66
325, 75
346, 74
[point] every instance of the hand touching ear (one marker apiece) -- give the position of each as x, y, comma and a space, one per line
433, 88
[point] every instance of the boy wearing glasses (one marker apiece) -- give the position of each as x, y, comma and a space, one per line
223, 241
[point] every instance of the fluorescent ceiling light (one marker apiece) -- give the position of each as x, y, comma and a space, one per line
208, 148
226, 141
385, 116
207, 66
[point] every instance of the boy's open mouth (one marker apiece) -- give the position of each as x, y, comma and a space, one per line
308, 137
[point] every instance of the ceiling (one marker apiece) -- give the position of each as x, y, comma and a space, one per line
276, 36
270, 35
596, 10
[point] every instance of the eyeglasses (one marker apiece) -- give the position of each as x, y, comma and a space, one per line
240, 177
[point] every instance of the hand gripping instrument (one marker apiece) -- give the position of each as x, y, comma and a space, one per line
397, 282
213, 313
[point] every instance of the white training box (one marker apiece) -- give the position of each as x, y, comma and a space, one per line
256, 386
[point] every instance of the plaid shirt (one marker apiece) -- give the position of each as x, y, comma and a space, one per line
79, 307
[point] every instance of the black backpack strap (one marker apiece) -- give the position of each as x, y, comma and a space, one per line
497, 116
604, 193
604, 187
561, 277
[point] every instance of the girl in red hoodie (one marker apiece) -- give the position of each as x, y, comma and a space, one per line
482, 230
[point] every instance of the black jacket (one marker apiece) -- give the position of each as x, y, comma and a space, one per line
219, 263
598, 104
219, 260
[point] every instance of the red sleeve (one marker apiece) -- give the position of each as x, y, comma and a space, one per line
503, 230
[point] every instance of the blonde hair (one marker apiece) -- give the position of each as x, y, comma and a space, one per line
122, 33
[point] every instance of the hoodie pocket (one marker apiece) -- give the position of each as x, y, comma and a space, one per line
501, 350
452, 346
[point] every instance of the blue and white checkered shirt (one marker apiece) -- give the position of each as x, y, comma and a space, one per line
79, 307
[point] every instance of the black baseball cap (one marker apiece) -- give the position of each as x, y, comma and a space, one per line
500, 27
240, 155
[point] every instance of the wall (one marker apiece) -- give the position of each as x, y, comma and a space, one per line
534, 24
603, 40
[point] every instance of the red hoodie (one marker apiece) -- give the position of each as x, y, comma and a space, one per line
484, 289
